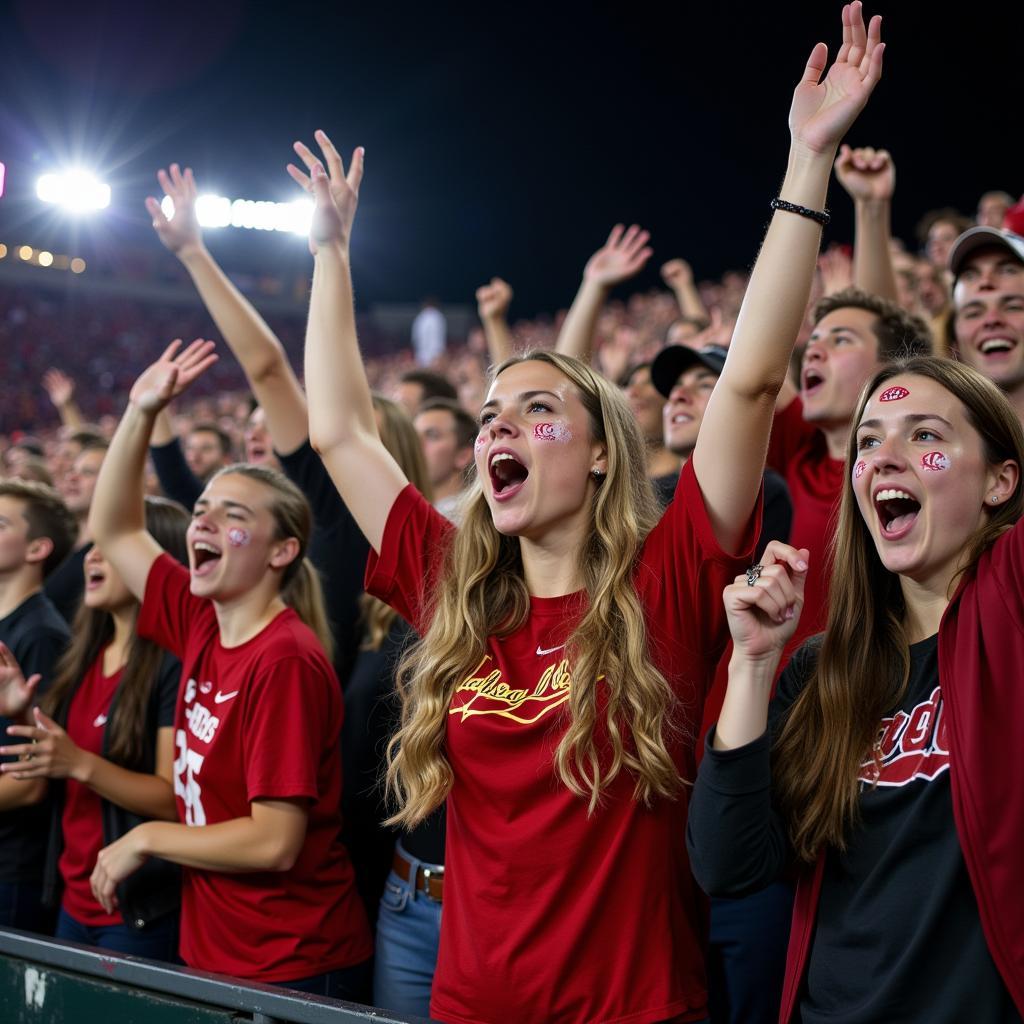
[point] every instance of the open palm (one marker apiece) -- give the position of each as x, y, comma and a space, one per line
181, 231
622, 256
824, 108
171, 374
335, 193
15, 690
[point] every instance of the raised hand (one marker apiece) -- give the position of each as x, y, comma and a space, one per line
835, 265
59, 387
763, 614
867, 174
493, 300
677, 274
181, 232
335, 193
171, 374
52, 755
620, 258
824, 108
16, 691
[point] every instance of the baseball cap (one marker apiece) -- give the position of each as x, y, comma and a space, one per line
974, 239
674, 360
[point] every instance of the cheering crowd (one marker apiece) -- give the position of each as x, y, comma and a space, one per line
651, 664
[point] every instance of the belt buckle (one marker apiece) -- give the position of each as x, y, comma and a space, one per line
428, 874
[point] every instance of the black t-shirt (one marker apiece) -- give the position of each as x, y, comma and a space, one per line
66, 584
37, 636
898, 935
778, 509
177, 480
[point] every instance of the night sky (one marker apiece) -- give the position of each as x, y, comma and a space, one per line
500, 140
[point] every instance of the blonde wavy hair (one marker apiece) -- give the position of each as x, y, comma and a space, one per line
481, 592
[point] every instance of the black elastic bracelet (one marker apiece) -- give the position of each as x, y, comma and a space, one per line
821, 216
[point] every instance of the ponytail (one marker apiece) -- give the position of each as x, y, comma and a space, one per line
304, 593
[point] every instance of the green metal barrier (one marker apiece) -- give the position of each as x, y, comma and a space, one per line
45, 982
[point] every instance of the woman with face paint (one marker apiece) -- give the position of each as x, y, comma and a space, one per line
568, 634
257, 769
888, 766
104, 737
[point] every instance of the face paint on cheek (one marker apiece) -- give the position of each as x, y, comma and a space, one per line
893, 394
239, 538
858, 470
552, 432
481, 440
935, 462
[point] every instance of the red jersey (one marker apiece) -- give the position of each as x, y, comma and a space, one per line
260, 721
550, 915
82, 817
798, 452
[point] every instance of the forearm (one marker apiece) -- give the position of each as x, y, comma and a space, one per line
744, 715
499, 338
237, 846
872, 258
70, 415
577, 335
117, 505
138, 792
689, 301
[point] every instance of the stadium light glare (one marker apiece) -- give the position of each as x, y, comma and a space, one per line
3, 177
3, 250
76, 190
77, 265
45, 258
26, 253
213, 211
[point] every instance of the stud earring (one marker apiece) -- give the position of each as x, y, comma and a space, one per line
995, 499
597, 474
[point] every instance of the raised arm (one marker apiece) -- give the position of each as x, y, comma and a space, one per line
869, 176
678, 275
342, 423
730, 452
623, 256
492, 302
253, 343
117, 516
60, 389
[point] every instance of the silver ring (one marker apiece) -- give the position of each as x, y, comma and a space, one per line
754, 574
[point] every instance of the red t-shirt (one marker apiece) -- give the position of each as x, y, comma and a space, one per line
551, 916
82, 818
258, 721
798, 451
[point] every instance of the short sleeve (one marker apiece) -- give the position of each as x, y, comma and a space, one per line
415, 539
169, 610
167, 691
292, 715
1006, 560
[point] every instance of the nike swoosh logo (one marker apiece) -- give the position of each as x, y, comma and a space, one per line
541, 651
100, 720
219, 698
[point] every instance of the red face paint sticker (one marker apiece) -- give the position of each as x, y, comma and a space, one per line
858, 470
545, 431
237, 537
935, 462
481, 440
893, 394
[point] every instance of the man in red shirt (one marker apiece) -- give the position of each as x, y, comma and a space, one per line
854, 335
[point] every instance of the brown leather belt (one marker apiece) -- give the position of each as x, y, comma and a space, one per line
429, 881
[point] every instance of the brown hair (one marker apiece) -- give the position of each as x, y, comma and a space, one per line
93, 629
863, 667
47, 516
466, 428
900, 334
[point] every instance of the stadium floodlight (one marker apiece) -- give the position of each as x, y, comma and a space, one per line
213, 211
3, 177
76, 190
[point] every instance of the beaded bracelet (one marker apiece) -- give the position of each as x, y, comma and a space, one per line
821, 216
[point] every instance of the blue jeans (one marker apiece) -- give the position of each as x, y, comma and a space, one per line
158, 941
408, 931
21, 906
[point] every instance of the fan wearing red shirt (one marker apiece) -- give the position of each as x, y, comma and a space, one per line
268, 891
568, 635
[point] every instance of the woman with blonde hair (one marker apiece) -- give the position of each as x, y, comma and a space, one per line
885, 765
568, 633
257, 771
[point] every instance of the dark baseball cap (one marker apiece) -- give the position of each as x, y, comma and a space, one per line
674, 360
974, 239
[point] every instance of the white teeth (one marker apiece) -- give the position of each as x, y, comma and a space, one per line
891, 493
681, 418
503, 457
996, 345
201, 545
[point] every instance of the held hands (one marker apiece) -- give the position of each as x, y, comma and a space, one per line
114, 864
181, 233
824, 108
16, 691
59, 387
493, 300
868, 175
335, 193
620, 258
171, 374
763, 615
52, 754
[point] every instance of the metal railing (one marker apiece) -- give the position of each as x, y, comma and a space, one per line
53, 962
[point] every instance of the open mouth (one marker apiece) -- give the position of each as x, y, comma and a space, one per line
812, 381
507, 474
256, 453
204, 558
897, 511
94, 579
996, 346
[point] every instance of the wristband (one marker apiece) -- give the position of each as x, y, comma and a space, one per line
821, 216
